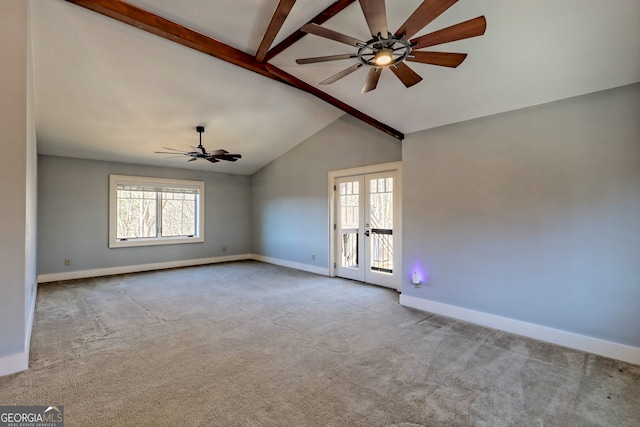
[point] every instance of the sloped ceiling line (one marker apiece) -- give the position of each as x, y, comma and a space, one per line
144, 20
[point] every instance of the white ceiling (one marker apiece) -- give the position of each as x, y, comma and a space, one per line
109, 91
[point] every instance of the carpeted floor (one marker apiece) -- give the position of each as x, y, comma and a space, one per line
252, 344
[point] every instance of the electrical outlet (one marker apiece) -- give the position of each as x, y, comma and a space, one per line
313, 257
224, 249
67, 261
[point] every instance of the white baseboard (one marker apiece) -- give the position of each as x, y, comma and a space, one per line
14, 363
324, 271
109, 271
597, 346
20, 361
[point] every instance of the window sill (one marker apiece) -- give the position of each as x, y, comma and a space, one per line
154, 242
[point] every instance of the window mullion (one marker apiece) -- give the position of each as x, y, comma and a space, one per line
140, 218
159, 214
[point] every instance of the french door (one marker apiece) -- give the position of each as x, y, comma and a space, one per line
365, 206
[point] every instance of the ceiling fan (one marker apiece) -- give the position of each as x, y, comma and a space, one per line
200, 152
387, 50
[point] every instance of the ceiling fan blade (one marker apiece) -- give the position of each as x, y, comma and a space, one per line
464, 30
169, 152
372, 79
341, 74
422, 16
376, 16
193, 159
229, 157
213, 160
443, 59
406, 75
316, 29
174, 149
218, 152
324, 58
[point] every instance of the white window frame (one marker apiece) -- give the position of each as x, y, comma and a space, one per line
115, 180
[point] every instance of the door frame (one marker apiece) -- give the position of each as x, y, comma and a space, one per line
397, 214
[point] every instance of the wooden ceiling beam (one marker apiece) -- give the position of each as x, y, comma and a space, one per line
147, 21
319, 19
296, 82
278, 18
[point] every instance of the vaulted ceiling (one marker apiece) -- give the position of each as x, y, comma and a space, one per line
106, 89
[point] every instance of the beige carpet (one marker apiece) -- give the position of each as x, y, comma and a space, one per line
251, 344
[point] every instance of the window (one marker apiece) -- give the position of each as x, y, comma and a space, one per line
154, 211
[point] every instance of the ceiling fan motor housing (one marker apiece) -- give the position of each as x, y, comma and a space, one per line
397, 48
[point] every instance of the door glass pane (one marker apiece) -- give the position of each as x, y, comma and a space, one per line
381, 217
349, 223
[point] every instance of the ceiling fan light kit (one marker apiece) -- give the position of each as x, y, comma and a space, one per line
386, 50
383, 57
201, 153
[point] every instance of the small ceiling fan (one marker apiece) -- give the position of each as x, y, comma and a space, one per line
387, 50
213, 156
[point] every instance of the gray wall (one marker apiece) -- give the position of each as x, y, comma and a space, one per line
289, 196
532, 214
17, 173
73, 216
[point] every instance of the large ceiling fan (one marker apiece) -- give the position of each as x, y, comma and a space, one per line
200, 152
387, 50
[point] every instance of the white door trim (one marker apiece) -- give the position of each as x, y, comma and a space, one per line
382, 167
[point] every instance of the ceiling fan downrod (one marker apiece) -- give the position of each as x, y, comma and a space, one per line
200, 130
